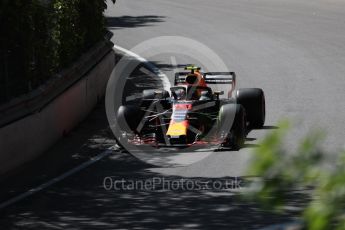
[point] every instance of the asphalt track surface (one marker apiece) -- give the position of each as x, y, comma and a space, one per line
293, 49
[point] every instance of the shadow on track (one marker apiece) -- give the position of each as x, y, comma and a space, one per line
270, 127
132, 22
82, 202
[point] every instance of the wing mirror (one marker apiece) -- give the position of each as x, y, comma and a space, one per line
217, 93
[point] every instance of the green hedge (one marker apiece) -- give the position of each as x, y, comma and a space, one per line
40, 37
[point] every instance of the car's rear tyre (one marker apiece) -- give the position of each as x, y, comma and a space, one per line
152, 94
149, 95
232, 122
253, 101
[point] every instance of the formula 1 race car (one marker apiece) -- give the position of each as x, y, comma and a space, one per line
191, 112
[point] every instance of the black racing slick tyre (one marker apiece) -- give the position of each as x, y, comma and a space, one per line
149, 95
129, 117
253, 101
152, 94
232, 121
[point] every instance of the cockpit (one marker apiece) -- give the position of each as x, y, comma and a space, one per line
191, 93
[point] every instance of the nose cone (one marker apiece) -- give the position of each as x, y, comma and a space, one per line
177, 129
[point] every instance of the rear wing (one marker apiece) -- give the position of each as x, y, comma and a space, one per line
180, 77
210, 78
220, 78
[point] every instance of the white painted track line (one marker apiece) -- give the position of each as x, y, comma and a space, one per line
151, 67
55, 180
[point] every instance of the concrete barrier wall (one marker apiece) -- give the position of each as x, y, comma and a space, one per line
25, 139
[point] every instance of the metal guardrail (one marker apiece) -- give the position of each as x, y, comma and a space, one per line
39, 98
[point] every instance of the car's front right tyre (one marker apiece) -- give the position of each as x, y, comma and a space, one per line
232, 125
